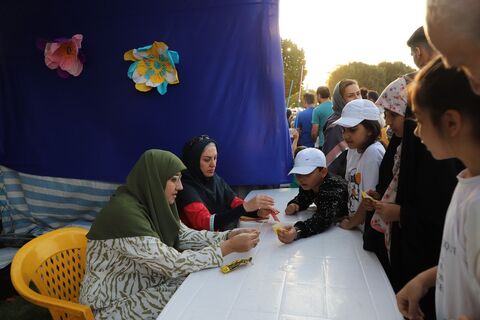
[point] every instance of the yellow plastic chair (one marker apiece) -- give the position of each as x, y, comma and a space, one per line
55, 264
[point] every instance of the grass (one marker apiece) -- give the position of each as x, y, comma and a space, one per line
19, 309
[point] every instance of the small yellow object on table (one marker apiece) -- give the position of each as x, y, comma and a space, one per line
235, 264
278, 227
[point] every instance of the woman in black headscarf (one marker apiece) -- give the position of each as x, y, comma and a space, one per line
335, 147
207, 202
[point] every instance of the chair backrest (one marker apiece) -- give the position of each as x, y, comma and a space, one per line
54, 263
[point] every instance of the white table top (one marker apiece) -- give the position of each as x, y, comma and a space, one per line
326, 276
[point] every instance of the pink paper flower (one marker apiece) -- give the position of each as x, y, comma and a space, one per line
64, 55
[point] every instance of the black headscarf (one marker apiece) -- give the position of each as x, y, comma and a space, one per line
213, 192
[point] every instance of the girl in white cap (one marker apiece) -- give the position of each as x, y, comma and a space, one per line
361, 131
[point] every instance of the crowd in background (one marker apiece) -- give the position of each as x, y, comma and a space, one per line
409, 199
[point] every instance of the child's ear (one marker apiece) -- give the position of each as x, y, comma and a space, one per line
323, 171
451, 123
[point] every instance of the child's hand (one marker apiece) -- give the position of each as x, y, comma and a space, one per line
409, 297
346, 224
292, 208
374, 194
287, 234
389, 212
369, 203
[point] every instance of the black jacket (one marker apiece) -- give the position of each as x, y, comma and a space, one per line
331, 201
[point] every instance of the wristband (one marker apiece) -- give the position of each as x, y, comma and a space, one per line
299, 232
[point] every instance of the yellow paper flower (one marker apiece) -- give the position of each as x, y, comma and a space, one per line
154, 67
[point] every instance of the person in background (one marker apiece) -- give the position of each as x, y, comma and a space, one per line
320, 115
207, 202
364, 92
293, 133
449, 126
372, 95
328, 192
304, 121
289, 116
138, 251
294, 136
334, 147
421, 51
459, 20
361, 131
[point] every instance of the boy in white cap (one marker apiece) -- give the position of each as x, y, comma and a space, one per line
328, 192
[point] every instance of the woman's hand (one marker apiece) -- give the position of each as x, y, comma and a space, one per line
259, 202
389, 212
265, 213
240, 243
237, 231
292, 208
287, 234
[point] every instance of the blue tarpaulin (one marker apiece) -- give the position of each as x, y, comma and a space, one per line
96, 125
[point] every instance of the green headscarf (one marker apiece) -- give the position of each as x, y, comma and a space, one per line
140, 207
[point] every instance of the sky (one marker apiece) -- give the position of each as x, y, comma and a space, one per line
336, 32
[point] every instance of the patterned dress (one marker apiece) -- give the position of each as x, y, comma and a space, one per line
134, 277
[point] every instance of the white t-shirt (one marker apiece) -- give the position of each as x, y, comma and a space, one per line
362, 173
458, 276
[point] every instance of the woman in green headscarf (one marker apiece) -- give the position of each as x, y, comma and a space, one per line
139, 252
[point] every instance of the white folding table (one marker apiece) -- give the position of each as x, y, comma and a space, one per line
325, 276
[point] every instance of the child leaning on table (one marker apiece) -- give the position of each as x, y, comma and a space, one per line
448, 116
328, 192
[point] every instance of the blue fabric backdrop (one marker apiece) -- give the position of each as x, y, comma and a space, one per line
96, 126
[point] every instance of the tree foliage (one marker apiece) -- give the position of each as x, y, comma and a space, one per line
293, 60
373, 77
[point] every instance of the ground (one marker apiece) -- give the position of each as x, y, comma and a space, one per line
19, 309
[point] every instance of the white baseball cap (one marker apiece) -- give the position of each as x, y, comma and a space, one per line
308, 160
356, 111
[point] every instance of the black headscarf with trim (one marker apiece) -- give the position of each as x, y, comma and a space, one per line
213, 192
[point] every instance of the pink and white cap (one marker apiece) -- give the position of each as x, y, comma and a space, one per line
394, 97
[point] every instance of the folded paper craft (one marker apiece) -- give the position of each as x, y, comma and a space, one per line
63, 54
153, 67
